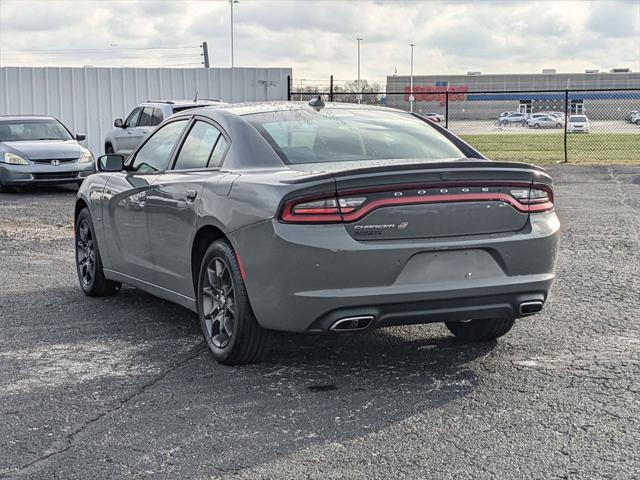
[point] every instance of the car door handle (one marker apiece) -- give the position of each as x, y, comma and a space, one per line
191, 195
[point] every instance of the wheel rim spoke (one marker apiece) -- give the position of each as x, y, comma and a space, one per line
85, 253
218, 303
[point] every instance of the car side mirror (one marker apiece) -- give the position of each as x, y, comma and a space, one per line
112, 162
118, 123
80, 136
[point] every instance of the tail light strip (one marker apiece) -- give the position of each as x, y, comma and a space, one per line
338, 214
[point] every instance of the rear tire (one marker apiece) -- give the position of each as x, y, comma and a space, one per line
227, 322
88, 261
480, 330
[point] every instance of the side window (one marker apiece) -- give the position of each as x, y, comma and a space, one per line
132, 119
146, 119
218, 152
157, 117
197, 147
154, 155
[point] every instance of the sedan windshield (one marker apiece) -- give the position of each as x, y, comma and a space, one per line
335, 135
24, 130
579, 119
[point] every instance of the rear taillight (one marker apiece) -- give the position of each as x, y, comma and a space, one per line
317, 210
354, 205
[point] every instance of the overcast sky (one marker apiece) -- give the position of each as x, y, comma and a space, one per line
317, 38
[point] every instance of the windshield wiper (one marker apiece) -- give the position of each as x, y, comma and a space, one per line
49, 138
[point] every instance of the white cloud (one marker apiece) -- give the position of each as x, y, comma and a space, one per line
317, 38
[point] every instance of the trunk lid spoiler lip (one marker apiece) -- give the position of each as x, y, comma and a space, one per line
466, 164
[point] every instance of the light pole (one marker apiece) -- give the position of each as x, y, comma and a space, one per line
231, 2
359, 95
411, 97
301, 80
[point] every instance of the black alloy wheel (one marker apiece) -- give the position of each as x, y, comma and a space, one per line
88, 261
219, 302
227, 322
85, 253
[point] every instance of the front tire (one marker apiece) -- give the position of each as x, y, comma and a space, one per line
88, 261
480, 330
228, 324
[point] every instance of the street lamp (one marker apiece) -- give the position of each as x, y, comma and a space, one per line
411, 97
301, 80
359, 94
231, 2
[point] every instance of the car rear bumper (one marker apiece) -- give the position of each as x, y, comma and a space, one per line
306, 277
16, 175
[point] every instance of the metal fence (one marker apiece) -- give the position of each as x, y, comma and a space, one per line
88, 99
578, 126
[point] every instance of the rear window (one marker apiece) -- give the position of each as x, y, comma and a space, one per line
335, 135
578, 118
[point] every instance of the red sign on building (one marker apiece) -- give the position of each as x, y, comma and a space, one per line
436, 93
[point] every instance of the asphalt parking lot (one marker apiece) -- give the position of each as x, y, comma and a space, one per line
123, 387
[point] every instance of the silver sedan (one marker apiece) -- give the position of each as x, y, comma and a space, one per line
41, 150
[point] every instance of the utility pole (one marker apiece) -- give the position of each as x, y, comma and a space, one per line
411, 97
231, 2
205, 54
359, 94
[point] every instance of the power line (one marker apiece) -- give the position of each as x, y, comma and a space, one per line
83, 58
44, 51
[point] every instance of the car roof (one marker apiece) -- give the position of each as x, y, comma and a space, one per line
184, 103
249, 108
26, 117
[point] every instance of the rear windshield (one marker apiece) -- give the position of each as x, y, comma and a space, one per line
578, 119
335, 135
23, 130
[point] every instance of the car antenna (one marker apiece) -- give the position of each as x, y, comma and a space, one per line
316, 102
195, 99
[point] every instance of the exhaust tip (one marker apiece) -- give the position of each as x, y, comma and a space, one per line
350, 324
529, 308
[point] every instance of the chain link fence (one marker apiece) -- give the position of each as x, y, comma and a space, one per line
576, 126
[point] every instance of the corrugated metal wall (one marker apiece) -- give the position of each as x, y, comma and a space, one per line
88, 99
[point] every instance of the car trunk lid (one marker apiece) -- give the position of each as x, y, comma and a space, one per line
393, 201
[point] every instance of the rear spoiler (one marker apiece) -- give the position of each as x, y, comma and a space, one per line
465, 164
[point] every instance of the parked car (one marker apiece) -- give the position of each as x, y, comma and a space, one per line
128, 134
632, 116
578, 123
553, 114
512, 118
504, 114
544, 121
636, 118
38, 149
318, 218
436, 117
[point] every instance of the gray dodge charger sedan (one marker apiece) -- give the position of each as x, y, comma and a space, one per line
318, 218
40, 150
